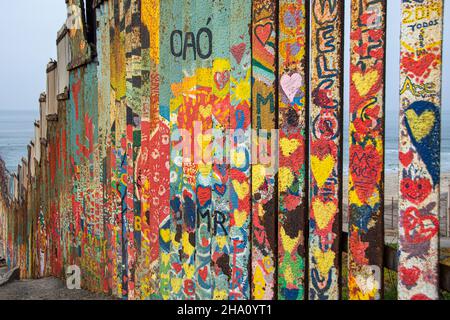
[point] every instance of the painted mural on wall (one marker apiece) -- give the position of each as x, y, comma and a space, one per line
210, 196
366, 172
163, 174
420, 126
325, 149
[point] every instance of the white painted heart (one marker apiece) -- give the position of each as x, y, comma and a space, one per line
291, 85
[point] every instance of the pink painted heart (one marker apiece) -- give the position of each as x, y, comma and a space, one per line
238, 51
203, 195
291, 85
263, 32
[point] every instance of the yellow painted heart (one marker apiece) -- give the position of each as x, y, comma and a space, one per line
288, 147
189, 270
422, 125
365, 82
259, 283
205, 169
205, 111
324, 261
289, 244
240, 217
242, 189
204, 141
221, 241
323, 213
322, 169
258, 176
165, 234
176, 284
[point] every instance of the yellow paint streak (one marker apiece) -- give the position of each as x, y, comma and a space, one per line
258, 176
286, 178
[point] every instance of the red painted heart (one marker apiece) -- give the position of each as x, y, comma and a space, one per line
365, 167
203, 195
419, 228
263, 32
415, 191
419, 66
406, 158
409, 277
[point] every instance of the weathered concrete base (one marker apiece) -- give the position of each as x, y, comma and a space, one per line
10, 276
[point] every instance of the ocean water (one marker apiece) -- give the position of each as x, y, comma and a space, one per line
17, 130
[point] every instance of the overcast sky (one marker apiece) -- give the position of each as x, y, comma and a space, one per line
28, 31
